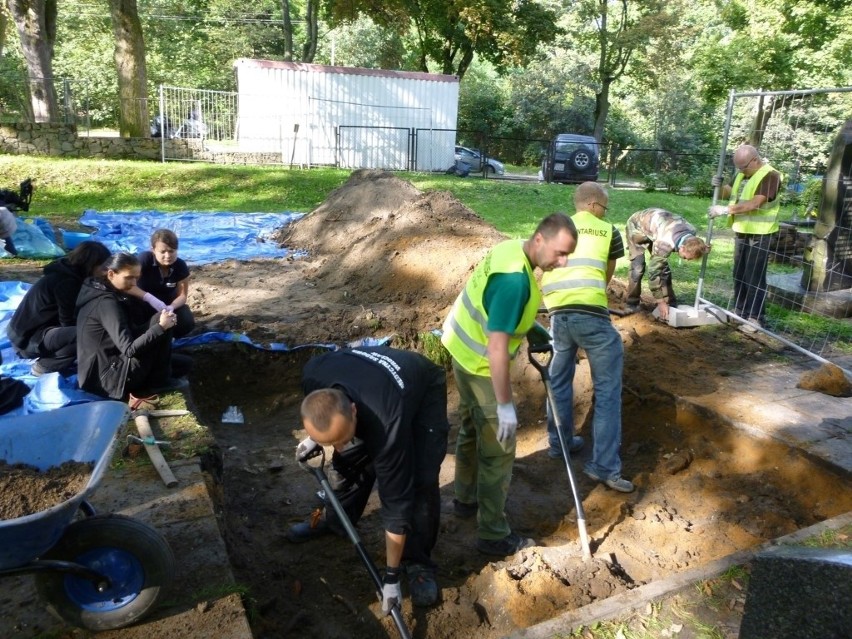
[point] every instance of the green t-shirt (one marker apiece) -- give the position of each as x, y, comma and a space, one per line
506, 295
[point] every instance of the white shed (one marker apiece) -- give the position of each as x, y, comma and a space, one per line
347, 116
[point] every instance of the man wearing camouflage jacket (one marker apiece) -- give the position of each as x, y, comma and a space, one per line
661, 233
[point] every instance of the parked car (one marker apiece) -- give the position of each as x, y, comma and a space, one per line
571, 159
473, 158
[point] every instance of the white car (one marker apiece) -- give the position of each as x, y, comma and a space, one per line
473, 158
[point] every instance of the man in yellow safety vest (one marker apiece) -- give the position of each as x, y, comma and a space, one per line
483, 332
752, 210
575, 297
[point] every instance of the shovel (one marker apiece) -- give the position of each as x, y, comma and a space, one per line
540, 356
328, 495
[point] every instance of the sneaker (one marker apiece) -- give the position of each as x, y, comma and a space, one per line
619, 483
37, 370
144, 402
463, 510
422, 585
509, 545
575, 446
304, 531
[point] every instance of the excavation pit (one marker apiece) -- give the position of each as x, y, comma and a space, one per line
704, 491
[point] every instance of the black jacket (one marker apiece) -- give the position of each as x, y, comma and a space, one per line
107, 340
380, 381
51, 302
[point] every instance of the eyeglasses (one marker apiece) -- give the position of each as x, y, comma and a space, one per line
605, 208
748, 164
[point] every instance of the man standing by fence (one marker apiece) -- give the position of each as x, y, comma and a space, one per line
753, 207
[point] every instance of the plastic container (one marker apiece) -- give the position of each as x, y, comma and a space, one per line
71, 239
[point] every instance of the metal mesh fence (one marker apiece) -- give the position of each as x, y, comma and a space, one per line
808, 262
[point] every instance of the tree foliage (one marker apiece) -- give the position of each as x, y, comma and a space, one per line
449, 33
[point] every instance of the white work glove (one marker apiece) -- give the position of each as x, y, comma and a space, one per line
717, 210
305, 446
507, 421
391, 592
716, 180
156, 304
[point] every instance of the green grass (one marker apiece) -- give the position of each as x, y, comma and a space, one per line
65, 188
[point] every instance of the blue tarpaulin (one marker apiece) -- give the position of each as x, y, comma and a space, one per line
204, 237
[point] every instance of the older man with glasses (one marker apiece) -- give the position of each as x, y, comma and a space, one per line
575, 297
752, 211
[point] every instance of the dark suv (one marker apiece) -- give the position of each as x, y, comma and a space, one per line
571, 159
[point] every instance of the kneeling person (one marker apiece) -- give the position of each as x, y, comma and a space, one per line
661, 233
385, 413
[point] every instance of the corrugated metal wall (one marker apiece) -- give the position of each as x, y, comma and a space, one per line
356, 118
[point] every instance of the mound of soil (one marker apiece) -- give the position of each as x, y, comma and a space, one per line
27, 490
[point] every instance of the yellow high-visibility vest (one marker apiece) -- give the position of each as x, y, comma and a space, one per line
764, 220
583, 279
466, 327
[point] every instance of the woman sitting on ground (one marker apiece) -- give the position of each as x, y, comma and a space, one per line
43, 325
163, 283
115, 358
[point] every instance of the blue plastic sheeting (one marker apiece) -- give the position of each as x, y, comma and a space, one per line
204, 237
34, 239
55, 391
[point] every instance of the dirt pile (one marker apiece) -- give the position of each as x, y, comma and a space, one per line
378, 240
26, 490
828, 379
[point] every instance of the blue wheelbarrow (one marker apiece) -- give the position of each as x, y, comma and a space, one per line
94, 571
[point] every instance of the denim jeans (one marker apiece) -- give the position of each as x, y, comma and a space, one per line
605, 352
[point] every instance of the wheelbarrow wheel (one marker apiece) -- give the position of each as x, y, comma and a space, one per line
134, 557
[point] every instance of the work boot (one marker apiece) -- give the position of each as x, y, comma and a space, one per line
422, 585
630, 309
509, 545
575, 446
619, 483
463, 510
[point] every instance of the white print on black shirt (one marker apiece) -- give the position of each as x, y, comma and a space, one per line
383, 360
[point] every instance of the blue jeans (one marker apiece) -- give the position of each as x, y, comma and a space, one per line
605, 352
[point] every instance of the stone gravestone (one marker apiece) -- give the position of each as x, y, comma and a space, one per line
799, 593
828, 259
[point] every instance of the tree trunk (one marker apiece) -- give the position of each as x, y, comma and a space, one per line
601, 108
130, 66
35, 27
4, 22
288, 30
309, 50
